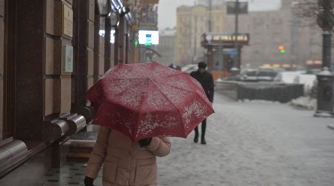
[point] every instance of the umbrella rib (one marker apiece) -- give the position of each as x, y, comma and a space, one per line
140, 111
173, 105
185, 89
196, 92
137, 85
182, 77
134, 86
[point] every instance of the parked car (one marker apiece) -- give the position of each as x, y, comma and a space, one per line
232, 78
249, 75
189, 68
266, 75
261, 74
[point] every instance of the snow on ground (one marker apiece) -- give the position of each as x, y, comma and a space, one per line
305, 102
253, 143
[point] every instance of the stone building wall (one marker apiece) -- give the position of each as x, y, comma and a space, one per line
53, 56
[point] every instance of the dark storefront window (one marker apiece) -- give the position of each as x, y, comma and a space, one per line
8, 69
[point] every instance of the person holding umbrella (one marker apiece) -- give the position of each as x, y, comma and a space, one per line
206, 80
138, 107
125, 162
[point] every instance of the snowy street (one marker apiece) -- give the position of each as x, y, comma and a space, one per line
251, 143
254, 143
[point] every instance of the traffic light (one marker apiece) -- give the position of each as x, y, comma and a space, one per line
281, 49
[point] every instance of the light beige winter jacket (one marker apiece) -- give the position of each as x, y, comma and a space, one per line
125, 163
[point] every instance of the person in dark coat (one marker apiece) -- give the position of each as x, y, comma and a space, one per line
206, 80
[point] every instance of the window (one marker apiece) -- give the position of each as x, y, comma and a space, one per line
8, 87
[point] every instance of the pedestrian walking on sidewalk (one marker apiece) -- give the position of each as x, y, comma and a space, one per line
125, 162
206, 80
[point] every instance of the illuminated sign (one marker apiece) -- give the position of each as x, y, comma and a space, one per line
230, 38
148, 37
225, 38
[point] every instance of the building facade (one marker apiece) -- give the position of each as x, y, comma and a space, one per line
267, 29
166, 47
270, 29
51, 53
192, 22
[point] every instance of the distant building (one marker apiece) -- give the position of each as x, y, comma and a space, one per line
268, 30
166, 47
192, 22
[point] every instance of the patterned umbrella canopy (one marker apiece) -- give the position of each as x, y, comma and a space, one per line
148, 100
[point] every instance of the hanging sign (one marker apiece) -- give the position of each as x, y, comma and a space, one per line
67, 21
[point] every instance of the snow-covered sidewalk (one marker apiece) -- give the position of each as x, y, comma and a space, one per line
254, 143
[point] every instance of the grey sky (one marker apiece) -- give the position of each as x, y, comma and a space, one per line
167, 9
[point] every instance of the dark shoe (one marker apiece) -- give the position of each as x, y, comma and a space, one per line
196, 138
203, 141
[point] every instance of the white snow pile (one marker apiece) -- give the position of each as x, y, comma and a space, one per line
289, 77
305, 102
309, 80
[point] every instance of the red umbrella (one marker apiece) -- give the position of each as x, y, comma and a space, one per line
148, 100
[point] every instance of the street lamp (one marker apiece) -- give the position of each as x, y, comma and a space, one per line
325, 97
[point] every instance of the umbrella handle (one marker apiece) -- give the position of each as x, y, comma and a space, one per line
145, 142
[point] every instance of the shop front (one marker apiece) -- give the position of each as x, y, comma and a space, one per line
51, 53
223, 52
